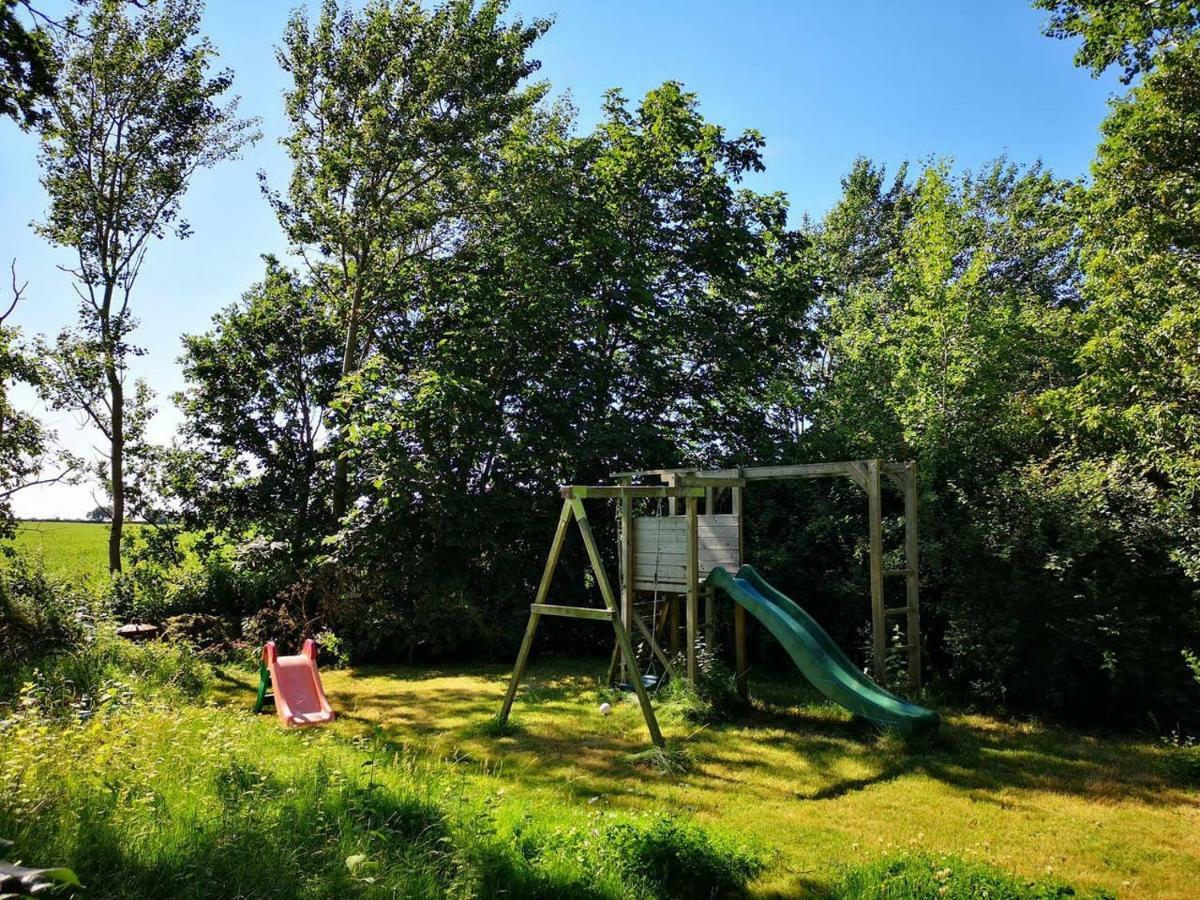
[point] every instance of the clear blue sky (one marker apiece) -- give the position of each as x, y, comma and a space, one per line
823, 81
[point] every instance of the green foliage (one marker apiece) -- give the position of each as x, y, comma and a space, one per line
260, 384
396, 112
26, 66
921, 877
713, 695
1133, 34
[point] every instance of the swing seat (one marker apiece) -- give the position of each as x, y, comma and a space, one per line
650, 682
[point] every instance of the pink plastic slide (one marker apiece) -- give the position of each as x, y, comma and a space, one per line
296, 683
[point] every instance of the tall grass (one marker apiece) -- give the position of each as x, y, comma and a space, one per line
146, 800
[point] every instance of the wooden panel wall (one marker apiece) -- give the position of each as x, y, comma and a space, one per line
661, 549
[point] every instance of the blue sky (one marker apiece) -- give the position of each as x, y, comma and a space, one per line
825, 82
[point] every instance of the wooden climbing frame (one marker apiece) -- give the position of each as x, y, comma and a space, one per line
691, 486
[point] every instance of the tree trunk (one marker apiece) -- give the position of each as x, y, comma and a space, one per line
116, 467
341, 470
116, 454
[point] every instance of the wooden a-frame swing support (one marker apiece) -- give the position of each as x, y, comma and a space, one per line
573, 498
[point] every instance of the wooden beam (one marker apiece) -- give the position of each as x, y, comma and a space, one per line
572, 612
749, 473
593, 551
875, 538
560, 537
617, 491
638, 688
912, 586
857, 473
693, 585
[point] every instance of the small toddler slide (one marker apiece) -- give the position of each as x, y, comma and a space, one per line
296, 685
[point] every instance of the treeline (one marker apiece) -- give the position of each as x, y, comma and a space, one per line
483, 303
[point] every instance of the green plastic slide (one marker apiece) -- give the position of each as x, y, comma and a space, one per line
816, 655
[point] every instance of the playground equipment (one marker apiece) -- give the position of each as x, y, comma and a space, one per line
296, 686
673, 555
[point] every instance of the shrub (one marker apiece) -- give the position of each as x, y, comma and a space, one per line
106, 667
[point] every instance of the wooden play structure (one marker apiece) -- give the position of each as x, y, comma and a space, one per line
671, 553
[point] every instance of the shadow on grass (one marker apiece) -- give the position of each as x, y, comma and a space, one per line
560, 744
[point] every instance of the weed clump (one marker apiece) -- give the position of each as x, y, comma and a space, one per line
923, 877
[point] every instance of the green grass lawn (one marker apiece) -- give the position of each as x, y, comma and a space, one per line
814, 793
798, 779
69, 551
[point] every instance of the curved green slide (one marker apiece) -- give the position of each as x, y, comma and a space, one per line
816, 655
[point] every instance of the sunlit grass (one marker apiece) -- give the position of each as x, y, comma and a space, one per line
800, 779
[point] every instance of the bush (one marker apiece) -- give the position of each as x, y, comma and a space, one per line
38, 616
107, 668
211, 636
920, 877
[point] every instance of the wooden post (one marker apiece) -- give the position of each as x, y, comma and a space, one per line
875, 534
589, 541
693, 585
912, 577
628, 570
739, 614
519, 668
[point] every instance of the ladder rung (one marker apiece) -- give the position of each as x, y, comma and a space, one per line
904, 572
897, 610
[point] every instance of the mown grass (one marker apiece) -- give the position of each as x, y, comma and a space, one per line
796, 777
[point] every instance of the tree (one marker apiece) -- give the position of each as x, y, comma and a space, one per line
26, 446
135, 115
950, 308
1130, 33
392, 110
260, 386
619, 300
1134, 415
100, 513
26, 67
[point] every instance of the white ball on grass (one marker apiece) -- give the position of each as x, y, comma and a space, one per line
605, 709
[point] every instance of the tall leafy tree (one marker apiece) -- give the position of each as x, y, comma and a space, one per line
949, 309
260, 386
136, 113
392, 110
